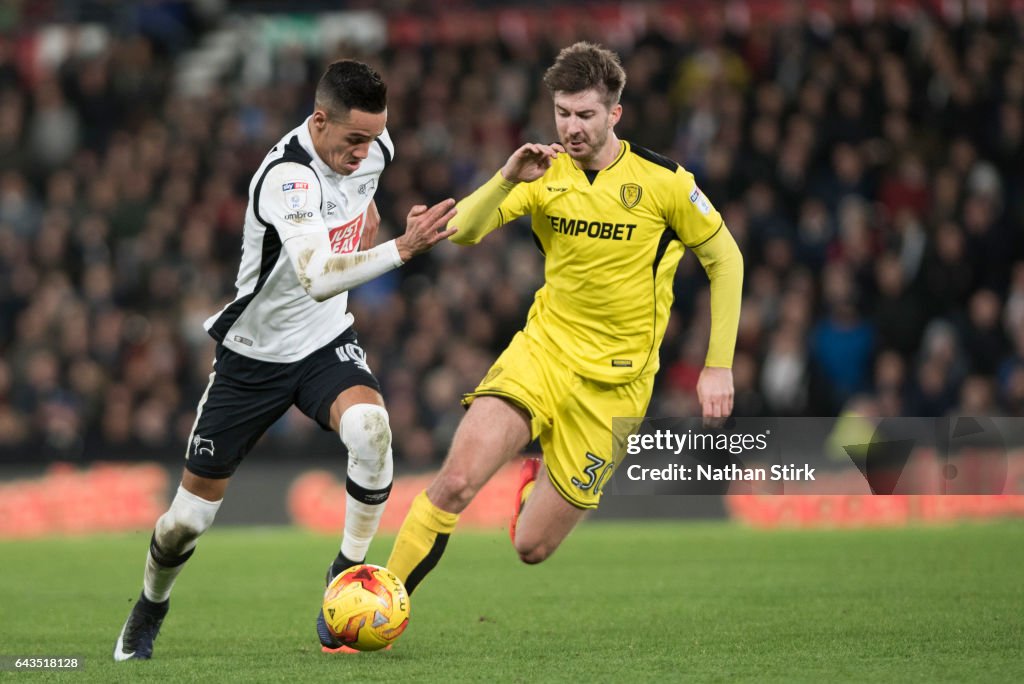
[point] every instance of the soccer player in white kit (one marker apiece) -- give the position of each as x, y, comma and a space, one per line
287, 337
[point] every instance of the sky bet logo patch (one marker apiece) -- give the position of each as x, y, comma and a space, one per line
295, 194
700, 201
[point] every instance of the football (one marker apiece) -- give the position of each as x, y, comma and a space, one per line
366, 607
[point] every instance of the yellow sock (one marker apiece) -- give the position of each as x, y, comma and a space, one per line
421, 541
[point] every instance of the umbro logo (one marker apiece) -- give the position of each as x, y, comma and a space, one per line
555, 188
331, 206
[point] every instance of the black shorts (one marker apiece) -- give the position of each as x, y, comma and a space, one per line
246, 396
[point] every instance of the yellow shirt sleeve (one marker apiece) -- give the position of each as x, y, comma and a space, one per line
722, 261
702, 229
689, 211
489, 207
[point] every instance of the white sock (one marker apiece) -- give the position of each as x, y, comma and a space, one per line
366, 434
159, 579
174, 540
361, 522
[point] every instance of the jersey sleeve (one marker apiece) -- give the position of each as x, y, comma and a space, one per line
519, 202
289, 200
689, 211
489, 207
723, 262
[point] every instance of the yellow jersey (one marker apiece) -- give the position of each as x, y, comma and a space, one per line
612, 243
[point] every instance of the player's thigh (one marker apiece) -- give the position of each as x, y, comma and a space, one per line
545, 521
579, 451
489, 435
243, 398
509, 407
334, 379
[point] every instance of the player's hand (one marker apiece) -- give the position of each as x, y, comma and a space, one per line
715, 393
530, 161
369, 238
424, 228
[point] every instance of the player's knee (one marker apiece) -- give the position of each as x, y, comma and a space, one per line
533, 552
188, 517
533, 545
452, 490
367, 436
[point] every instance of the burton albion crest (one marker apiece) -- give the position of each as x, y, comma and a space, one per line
630, 194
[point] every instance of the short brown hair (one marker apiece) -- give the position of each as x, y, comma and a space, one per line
584, 66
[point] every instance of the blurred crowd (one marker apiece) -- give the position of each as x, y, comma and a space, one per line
871, 171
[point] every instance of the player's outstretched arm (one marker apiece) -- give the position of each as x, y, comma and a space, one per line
324, 274
490, 206
723, 263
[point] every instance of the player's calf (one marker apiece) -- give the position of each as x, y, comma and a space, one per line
172, 543
545, 521
174, 540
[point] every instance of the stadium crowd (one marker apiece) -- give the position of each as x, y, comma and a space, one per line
871, 171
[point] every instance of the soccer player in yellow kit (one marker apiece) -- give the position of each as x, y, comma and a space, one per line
613, 220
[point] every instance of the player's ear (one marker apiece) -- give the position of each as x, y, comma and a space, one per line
614, 115
320, 118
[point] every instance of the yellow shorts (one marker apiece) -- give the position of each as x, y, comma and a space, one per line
570, 414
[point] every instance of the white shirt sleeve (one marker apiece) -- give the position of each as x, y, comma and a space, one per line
290, 201
324, 274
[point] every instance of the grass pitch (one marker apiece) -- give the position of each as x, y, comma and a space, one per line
619, 602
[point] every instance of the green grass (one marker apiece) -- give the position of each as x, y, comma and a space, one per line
619, 602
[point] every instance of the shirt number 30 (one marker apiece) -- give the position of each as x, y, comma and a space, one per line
597, 473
